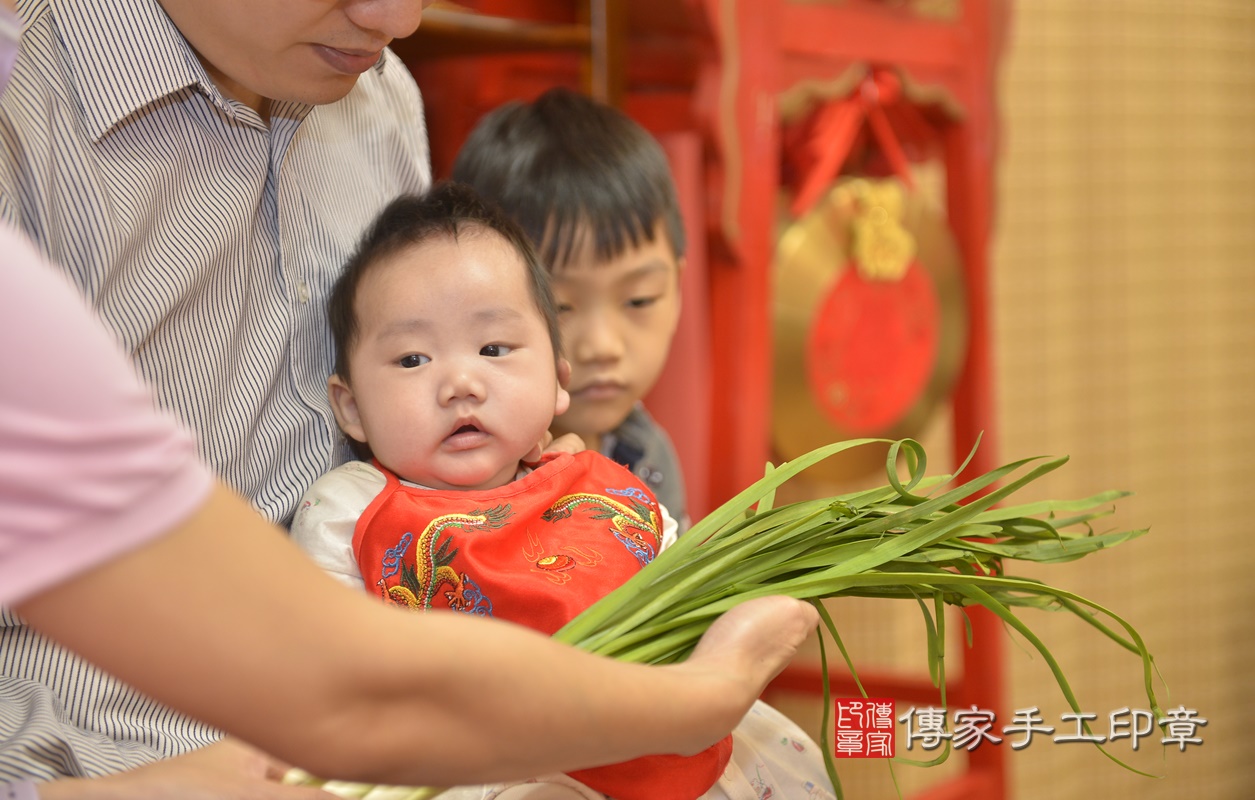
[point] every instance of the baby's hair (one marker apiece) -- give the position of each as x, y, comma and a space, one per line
565, 164
449, 210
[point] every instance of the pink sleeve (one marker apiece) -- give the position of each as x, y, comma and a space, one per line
88, 468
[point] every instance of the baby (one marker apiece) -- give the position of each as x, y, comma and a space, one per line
447, 378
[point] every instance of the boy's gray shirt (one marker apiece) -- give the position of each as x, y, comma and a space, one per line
641, 445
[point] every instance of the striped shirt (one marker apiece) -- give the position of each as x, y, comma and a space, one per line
207, 240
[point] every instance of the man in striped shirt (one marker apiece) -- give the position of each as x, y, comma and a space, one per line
201, 169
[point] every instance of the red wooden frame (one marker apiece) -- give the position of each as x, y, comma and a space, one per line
763, 48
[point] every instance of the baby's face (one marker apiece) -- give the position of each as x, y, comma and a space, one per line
453, 373
617, 319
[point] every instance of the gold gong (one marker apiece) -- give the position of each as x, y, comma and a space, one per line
870, 324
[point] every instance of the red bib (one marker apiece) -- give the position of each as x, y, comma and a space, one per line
536, 552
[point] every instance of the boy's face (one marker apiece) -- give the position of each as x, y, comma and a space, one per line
309, 51
617, 318
453, 374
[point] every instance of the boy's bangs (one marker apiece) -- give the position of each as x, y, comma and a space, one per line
606, 231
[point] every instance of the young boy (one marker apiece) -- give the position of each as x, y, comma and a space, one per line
446, 379
594, 191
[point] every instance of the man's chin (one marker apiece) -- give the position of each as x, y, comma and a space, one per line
332, 88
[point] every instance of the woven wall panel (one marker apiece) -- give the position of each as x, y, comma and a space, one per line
1125, 321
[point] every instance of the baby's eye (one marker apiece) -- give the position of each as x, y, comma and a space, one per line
494, 350
642, 302
413, 360
564, 308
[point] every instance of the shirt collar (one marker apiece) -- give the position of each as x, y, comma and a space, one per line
125, 55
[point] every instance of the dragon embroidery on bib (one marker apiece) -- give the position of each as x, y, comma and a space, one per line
630, 521
430, 570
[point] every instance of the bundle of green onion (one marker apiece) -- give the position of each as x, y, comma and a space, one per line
913, 538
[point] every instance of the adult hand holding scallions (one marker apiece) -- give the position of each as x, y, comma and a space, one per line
918, 539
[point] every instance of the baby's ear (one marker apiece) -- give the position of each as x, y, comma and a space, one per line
563, 400
344, 406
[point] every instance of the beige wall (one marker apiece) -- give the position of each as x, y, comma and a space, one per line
1124, 316
1125, 322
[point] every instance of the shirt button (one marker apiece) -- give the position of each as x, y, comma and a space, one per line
302, 291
